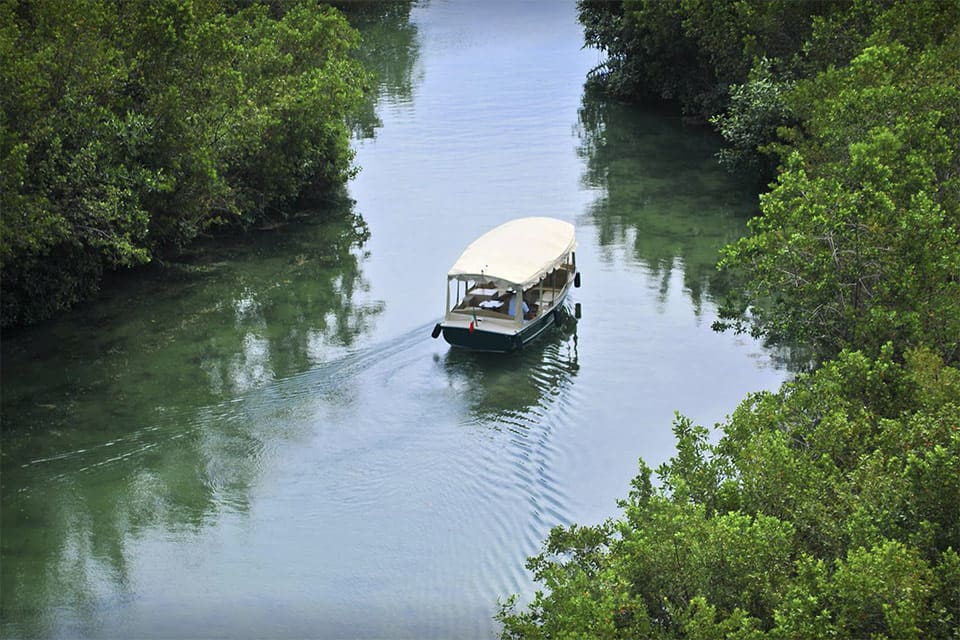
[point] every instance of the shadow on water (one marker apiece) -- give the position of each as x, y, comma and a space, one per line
236, 313
665, 199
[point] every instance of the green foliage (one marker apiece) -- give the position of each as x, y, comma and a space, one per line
69, 186
645, 44
757, 109
129, 128
825, 510
859, 241
691, 51
734, 62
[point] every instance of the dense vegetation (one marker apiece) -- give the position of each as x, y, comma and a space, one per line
128, 128
828, 509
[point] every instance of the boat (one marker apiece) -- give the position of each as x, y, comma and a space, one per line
509, 285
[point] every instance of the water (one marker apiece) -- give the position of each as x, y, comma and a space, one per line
262, 440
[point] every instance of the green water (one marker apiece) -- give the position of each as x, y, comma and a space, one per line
262, 440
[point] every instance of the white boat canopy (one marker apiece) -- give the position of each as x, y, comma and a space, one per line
519, 252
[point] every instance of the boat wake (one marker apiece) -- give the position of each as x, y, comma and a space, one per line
405, 467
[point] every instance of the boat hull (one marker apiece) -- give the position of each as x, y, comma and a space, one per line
497, 342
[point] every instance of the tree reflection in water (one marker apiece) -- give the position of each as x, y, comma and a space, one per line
661, 192
152, 418
149, 422
391, 47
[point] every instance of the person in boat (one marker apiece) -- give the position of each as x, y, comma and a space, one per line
529, 308
512, 307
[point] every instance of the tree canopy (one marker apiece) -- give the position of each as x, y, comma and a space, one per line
130, 128
825, 510
858, 243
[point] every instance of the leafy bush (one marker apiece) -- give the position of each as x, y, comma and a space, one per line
757, 109
859, 240
129, 128
827, 509
692, 51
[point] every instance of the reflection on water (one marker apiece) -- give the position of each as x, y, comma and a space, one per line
130, 499
101, 436
519, 385
521, 406
390, 49
663, 195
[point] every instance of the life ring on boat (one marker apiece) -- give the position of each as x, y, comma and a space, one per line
436, 331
